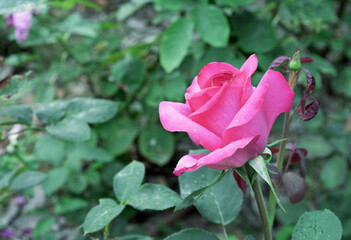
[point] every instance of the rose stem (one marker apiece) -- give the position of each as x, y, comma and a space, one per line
272, 200
260, 204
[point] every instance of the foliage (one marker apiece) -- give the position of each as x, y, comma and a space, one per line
85, 88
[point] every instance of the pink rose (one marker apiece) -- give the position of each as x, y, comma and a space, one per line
227, 115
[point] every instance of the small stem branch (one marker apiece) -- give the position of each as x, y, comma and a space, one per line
280, 159
272, 201
261, 206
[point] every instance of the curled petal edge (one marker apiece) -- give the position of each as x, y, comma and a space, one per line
233, 155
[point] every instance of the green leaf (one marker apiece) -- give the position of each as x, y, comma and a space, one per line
68, 204
256, 36
194, 184
199, 151
27, 179
55, 180
219, 204
249, 237
212, 25
72, 130
268, 155
135, 237
156, 144
154, 197
129, 8
192, 234
234, 3
127, 181
154, 95
9, 86
130, 72
91, 110
51, 112
12, 6
284, 233
334, 172
319, 225
46, 236
7, 177
259, 164
75, 24
50, 150
293, 212
190, 199
87, 152
323, 65
175, 87
21, 113
211, 196
175, 44
101, 215
316, 145
174, 4
43, 226
117, 135
77, 183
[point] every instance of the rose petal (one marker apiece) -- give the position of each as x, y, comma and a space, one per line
197, 99
174, 118
220, 110
212, 69
194, 87
272, 97
232, 155
187, 163
249, 66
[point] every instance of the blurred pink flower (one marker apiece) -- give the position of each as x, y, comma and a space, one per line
6, 234
227, 115
22, 22
20, 201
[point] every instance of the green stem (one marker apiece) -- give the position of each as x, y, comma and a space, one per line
272, 200
261, 205
107, 231
293, 75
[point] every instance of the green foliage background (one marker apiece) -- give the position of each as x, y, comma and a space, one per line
99, 69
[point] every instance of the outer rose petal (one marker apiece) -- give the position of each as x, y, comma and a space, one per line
232, 155
212, 69
174, 118
272, 97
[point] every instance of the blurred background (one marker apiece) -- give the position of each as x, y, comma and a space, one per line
136, 54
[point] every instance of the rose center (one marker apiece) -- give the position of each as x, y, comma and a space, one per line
220, 78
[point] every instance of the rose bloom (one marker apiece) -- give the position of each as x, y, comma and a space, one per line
227, 115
